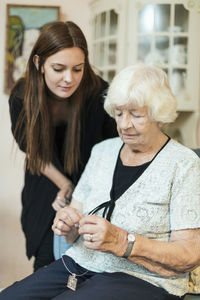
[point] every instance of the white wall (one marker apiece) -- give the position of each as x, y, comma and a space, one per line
13, 262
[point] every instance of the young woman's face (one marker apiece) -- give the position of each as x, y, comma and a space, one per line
63, 71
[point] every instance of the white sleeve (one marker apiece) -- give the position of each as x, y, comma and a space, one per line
185, 199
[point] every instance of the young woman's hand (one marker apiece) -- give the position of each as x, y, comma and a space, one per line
63, 196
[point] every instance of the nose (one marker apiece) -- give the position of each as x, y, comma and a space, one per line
126, 121
67, 76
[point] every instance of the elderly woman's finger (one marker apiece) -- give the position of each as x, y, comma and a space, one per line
61, 228
90, 219
69, 216
88, 237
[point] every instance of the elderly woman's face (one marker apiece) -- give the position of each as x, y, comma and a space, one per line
134, 125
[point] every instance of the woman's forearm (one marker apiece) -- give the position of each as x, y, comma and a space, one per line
55, 176
167, 258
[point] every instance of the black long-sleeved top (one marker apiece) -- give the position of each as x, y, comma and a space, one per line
39, 192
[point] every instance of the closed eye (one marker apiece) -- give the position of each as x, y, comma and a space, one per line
77, 70
57, 70
118, 113
137, 116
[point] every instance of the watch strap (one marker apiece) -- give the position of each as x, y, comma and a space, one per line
128, 249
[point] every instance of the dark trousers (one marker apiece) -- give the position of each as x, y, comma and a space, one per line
50, 283
44, 255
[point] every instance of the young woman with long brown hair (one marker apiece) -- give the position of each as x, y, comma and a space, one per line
57, 116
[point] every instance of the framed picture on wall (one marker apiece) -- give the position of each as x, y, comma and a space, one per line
24, 23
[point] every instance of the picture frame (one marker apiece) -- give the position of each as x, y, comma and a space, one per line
24, 23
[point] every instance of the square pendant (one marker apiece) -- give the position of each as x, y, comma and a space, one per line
72, 282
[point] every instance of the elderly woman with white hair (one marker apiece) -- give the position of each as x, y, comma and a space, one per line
134, 219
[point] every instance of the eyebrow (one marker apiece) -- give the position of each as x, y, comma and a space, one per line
79, 64
132, 109
61, 65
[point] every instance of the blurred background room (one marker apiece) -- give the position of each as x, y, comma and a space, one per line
119, 33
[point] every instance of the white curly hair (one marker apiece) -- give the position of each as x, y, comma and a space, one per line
144, 85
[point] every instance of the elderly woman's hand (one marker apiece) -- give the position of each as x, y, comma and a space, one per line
100, 234
66, 220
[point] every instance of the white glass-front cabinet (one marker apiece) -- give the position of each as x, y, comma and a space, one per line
108, 24
166, 33
162, 32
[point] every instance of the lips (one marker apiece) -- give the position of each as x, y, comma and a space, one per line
65, 87
129, 135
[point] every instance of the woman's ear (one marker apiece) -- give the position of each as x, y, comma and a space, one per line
36, 61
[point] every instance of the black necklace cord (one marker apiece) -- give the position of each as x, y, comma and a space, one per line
110, 205
108, 209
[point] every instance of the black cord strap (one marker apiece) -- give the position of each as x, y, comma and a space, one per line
108, 209
110, 205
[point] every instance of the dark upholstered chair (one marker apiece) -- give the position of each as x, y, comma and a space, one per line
197, 151
197, 271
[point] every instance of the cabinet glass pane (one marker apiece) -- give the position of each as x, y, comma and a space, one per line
179, 50
181, 18
162, 48
178, 80
95, 27
113, 22
112, 50
111, 74
144, 48
103, 24
95, 54
162, 17
146, 19
166, 71
101, 74
102, 54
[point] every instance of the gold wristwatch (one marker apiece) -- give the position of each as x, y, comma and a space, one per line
131, 241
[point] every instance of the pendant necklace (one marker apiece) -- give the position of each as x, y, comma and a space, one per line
72, 280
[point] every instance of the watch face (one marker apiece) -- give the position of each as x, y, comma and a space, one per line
131, 237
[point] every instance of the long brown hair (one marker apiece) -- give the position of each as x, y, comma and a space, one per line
38, 129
